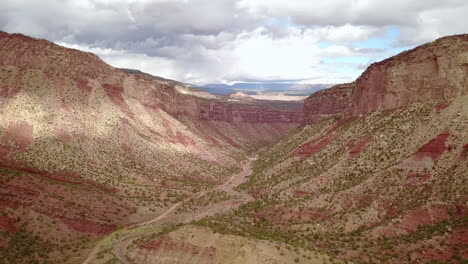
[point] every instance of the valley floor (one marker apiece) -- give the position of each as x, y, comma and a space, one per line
170, 232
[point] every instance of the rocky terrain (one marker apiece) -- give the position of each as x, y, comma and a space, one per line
86, 148
104, 165
379, 172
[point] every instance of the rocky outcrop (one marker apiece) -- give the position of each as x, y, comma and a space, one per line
245, 113
178, 104
436, 70
332, 102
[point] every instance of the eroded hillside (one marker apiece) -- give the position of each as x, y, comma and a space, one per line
86, 148
105, 166
378, 174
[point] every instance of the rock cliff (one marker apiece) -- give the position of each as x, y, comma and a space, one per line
332, 102
437, 70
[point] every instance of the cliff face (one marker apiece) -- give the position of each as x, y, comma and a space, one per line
332, 102
394, 179
437, 70
243, 113
178, 104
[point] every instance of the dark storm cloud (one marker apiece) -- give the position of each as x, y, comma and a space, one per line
124, 21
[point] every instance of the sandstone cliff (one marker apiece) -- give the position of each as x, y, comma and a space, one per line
372, 186
433, 71
332, 102
437, 70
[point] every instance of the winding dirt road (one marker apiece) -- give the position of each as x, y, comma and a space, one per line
236, 179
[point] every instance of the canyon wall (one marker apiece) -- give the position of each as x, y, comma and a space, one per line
434, 71
179, 104
332, 102
86, 72
87, 131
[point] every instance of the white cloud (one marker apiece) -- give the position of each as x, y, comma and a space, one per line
202, 41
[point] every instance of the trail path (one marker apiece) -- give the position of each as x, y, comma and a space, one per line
120, 246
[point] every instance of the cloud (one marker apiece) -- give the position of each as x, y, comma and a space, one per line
203, 41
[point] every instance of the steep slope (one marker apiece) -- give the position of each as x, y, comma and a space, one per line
436, 70
433, 71
86, 148
379, 172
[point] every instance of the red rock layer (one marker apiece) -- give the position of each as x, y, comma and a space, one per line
436, 70
7, 223
332, 102
313, 147
204, 109
434, 148
356, 149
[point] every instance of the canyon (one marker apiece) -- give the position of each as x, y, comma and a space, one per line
107, 165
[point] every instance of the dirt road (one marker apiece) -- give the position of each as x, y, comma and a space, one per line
120, 246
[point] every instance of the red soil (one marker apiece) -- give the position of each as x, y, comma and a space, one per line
79, 206
441, 106
424, 216
61, 176
464, 153
223, 136
353, 201
4, 92
258, 192
15, 196
18, 135
359, 146
414, 218
300, 193
414, 177
63, 134
84, 85
310, 148
7, 224
443, 253
434, 148
338, 124
4, 241
387, 112
176, 137
115, 95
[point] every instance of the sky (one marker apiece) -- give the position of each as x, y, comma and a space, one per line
227, 41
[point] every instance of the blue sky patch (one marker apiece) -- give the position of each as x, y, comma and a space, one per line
356, 60
383, 42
